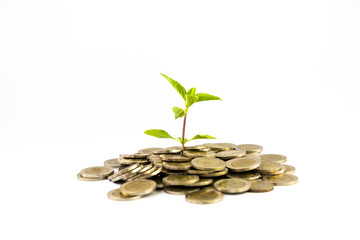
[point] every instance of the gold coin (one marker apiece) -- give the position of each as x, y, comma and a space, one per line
251, 148
138, 187
180, 180
152, 172
204, 197
149, 150
124, 170
177, 165
268, 167
94, 172
243, 164
172, 172
232, 185
226, 155
212, 164
89, 178
195, 154
250, 176
278, 172
118, 196
201, 182
198, 148
127, 175
261, 186
216, 174
174, 158
282, 180
158, 180
129, 161
114, 163
289, 169
135, 155
167, 151
195, 171
179, 190
273, 157
218, 146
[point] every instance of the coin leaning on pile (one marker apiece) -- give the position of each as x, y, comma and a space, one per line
203, 173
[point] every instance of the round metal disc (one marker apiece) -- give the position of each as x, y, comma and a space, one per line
204, 197
212, 164
243, 164
138, 187
232, 185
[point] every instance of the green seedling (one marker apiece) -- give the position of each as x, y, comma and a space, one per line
190, 97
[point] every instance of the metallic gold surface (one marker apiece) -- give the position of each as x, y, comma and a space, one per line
177, 165
226, 155
289, 169
201, 182
277, 172
212, 164
114, 163
232, 185
251, 148
149, 150
195, 154
216, 174
261, 186
273, 157
196, 171
174, 158
219, 146
179, 190
90, 179
204, 197
250, 176
282, 180
269, 167
129, 161
94, 172
243, 164
138, 187
118, 196
180, 180
135, 155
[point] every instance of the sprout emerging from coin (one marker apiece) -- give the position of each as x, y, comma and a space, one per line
190, 97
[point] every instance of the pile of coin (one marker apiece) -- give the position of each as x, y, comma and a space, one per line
202, 173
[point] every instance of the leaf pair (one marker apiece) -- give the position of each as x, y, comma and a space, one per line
163, 134
190, 97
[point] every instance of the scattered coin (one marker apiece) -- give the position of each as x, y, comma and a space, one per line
277, 172
118, 196
273, 157
226, 155
204, 197
232, 185
261, 186
167, 151
250, 175
138, 187
94, 172
180, 180
127, 175
212, 164
114, 163
179, 190
135, 155
80, 177
124, 170
129, 161
282, 180
196, 171
269, 167
198, 148
149, 150
289, 169
174, 158
177, 165
201, 182
243, 164
219, 146
251, 148
195, 154
216, 174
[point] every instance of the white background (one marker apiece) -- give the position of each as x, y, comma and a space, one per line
80, 82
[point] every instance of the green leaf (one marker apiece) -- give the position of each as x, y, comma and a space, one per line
179, 112
179, 88
190, 100
191, 91
206, 97
158, 133
199, 136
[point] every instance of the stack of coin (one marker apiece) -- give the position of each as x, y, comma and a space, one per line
203, 173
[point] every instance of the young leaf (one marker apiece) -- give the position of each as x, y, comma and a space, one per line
206, 97
179, 88
158, 133
179, 112
199, 136
191, 91
190, 100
